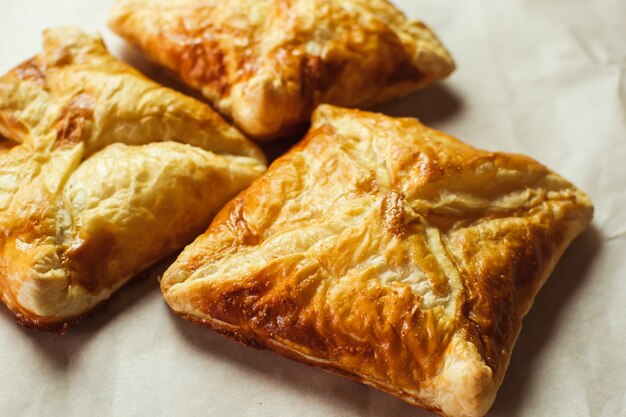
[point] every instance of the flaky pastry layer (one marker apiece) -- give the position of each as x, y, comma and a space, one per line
266, 64
385, 251
102, 173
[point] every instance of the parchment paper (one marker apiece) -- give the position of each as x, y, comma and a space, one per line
544, 78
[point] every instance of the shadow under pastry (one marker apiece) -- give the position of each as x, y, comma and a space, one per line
354, 398
59, 350
538, 325
434, 104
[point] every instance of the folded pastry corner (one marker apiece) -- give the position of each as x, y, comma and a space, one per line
102, 173
388, 252
267, 64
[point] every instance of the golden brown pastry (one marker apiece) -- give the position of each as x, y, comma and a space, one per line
387, 252
266, 64
102, 173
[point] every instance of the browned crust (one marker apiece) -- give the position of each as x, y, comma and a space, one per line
42, 324
262, 343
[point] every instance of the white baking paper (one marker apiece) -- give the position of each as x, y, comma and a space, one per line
542, 77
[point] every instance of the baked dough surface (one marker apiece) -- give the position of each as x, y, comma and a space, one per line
266, 64
102, 173
385, 251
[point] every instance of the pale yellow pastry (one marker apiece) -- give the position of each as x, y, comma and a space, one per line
266, 64
102, 173
387, 252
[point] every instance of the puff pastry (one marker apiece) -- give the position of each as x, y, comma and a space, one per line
387, 252
102, 173
266, 64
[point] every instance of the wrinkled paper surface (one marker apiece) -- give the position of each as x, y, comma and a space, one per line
543, 78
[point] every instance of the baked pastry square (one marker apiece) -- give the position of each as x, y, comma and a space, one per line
387, 252
102, 173
266, 64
